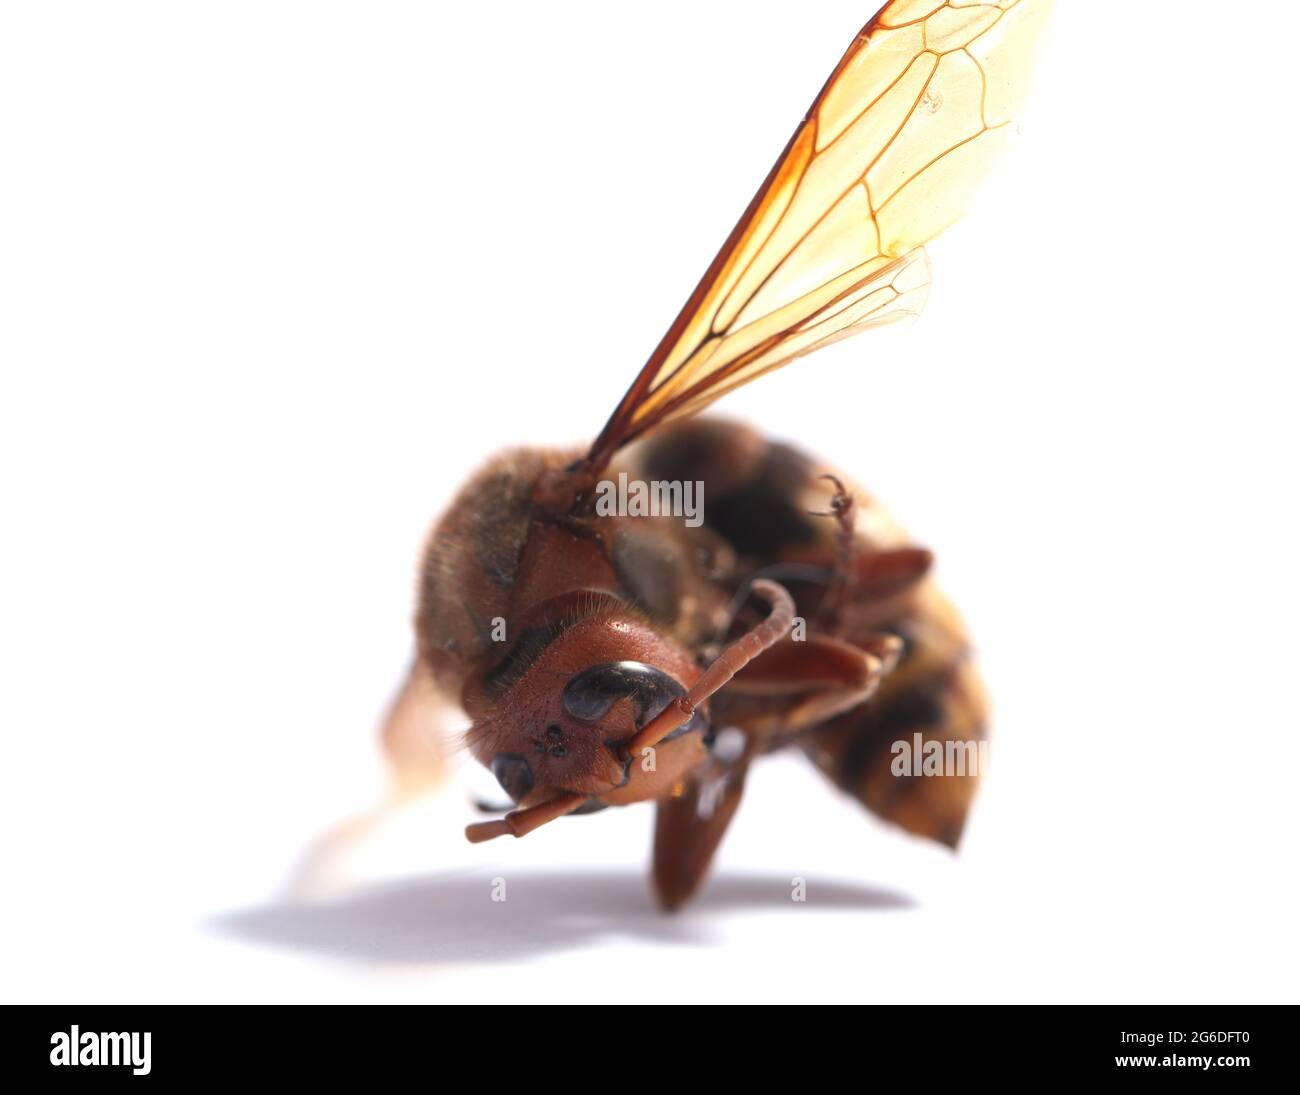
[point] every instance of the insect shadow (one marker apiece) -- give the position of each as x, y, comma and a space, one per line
451, 918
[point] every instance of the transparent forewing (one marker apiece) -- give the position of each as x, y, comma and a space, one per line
883, 162
894, 291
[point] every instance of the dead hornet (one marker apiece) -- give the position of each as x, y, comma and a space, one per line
606, 658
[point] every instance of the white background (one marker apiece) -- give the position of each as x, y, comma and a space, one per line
275, 276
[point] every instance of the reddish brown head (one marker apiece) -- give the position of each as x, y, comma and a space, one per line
565, 726
610, 710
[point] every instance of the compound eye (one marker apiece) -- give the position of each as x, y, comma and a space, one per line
513, 773
590, 694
